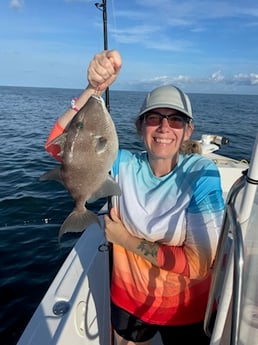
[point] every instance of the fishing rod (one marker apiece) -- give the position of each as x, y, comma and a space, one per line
102, 6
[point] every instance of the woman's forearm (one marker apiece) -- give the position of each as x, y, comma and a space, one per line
66, 117
160, 255
145, 249
102, 72
171, 258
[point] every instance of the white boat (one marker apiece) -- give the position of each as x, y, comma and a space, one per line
75, 309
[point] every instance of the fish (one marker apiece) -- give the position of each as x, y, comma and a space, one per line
88, 148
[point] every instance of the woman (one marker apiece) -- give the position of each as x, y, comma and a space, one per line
165, 225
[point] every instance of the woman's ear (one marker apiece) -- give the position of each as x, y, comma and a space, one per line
138, 125
188, 131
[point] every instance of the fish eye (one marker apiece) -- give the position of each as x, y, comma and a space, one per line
79, 125
101, 144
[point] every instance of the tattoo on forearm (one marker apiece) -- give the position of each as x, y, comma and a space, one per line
148, 248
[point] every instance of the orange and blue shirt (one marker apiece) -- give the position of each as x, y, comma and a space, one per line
183, 212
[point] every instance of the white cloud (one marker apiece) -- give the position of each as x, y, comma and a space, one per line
245, 79
217, 76
196, 10
166, 44
133, 15
248, 79
134, 34
217, 79
150, 37
16, 4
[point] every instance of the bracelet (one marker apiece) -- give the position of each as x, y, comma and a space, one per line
73, 106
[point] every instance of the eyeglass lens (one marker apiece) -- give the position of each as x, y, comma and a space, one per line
155, 119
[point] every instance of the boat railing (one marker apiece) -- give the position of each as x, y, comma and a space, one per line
229, 280
230, 239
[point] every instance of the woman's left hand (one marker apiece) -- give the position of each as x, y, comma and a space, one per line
117, 233
115, 229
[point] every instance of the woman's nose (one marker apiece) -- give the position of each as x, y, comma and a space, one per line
164, 123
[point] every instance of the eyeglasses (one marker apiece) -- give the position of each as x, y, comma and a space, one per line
154, 118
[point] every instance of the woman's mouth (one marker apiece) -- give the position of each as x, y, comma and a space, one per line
163, 140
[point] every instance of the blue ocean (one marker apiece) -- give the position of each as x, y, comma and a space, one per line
31, 211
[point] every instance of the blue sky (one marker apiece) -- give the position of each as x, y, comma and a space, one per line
199, 45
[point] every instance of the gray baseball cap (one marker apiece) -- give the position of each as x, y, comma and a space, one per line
167, 96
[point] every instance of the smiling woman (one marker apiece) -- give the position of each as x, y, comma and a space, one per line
164, 226
165, 123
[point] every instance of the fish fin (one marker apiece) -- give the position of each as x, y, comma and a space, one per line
78, 221
109, 187
54, 174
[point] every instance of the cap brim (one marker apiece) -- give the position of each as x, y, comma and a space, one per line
165, 106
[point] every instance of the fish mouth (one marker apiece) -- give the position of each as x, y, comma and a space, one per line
98, 98
166, 141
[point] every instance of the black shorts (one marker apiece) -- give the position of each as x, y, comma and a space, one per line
131, 328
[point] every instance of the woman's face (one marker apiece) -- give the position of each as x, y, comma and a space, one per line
163, 136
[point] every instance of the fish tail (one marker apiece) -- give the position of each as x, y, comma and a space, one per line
78, 221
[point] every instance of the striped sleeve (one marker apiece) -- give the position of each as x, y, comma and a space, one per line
173, 258
53, 149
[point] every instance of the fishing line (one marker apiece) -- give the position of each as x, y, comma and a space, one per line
114, 21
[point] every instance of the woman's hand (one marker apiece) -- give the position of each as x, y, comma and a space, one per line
118, 234
114, 229
104, 69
